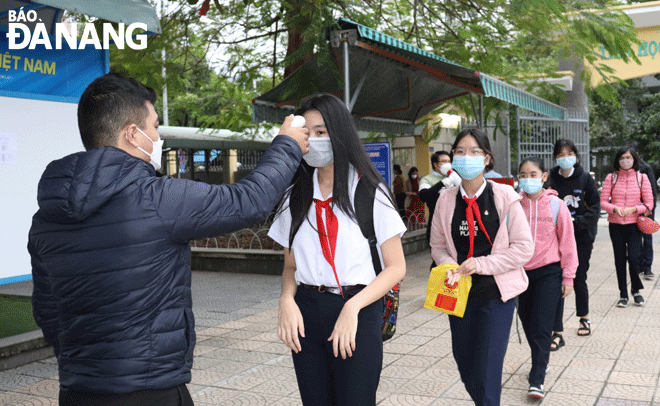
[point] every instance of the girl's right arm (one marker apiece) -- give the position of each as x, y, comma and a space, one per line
439, 245
290, 320
606, 194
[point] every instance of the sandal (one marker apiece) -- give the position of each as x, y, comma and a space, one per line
557, 342
585, 327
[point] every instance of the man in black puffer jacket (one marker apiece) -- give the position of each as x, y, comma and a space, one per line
110, 253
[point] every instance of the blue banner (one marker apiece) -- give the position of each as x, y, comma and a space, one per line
56, 75
380, 154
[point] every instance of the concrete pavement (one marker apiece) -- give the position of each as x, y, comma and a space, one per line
240, 361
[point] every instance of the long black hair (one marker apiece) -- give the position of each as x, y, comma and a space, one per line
348, 150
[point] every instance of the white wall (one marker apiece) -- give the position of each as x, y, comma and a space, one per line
44, 131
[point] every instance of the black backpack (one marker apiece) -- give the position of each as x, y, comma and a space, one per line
364, 210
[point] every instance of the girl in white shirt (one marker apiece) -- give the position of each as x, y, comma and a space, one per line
331, 307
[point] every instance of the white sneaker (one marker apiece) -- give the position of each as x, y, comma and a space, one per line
536, 392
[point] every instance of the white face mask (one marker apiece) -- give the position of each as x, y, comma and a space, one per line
157, 154
414, 176
320, 152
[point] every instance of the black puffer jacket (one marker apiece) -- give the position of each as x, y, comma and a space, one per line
580, 194
111, 261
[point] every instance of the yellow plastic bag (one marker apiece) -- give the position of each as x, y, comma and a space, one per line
441, 296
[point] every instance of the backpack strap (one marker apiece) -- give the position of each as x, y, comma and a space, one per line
364, 210
555, 204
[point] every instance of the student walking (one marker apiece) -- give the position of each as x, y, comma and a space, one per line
550, 271
578, 190
646, 256
415, 209
481, 227
331, 307
626, 195
399, 190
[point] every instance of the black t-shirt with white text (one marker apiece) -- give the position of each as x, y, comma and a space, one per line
483, 286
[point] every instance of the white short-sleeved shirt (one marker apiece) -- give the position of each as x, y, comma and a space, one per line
352, 255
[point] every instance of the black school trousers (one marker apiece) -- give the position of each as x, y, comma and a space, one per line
324, 380
177, 396
479, 341
537, 307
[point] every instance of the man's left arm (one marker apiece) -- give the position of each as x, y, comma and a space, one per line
44, 307
193, 210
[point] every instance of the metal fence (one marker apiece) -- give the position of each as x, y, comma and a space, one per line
537, 135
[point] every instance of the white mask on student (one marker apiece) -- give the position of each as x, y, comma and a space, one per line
320, 152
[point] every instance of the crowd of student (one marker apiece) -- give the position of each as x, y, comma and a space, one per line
111, 260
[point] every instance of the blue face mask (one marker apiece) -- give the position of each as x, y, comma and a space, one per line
567, 162
531, 186
468, 167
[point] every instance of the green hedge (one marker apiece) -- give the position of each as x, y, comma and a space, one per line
16, 315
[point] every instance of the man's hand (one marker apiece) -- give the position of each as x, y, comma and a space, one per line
301, 135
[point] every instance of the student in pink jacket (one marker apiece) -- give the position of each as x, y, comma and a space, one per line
481, 226
550, 271
626, 195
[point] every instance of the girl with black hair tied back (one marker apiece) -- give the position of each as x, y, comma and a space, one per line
331, 311
626, 195
578, 190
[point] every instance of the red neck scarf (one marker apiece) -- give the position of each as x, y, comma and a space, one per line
328, 240
471, 212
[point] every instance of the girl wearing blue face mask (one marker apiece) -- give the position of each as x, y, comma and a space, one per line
578, 190
331, 307
481, 227
550, 271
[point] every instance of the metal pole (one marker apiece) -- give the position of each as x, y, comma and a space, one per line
482, 125
166, 115
347, 85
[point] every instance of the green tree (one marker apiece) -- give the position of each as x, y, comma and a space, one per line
261, 41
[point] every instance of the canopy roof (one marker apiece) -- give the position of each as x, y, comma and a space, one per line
196, 138
118, 11
392, 84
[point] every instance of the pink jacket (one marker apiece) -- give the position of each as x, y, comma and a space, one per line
511, 250
626, 193
551, 244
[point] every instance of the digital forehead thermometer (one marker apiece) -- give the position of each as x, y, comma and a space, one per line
298, 122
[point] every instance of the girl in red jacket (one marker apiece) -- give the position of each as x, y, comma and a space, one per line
550, 271
626, 195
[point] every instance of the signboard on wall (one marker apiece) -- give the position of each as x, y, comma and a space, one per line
380, 154
55, 75
648, 52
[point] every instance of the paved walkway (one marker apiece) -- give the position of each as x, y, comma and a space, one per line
240, 361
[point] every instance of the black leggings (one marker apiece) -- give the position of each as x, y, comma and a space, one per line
627, 244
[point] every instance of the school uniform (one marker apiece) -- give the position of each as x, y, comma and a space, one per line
324, 379
492, 228
554, 264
